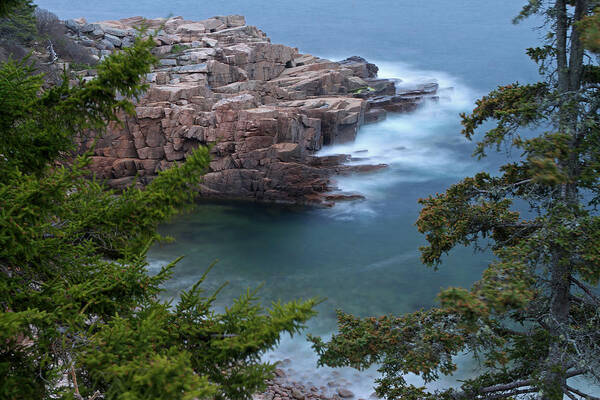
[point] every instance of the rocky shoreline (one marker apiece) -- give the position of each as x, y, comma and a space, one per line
265, 108
285, 387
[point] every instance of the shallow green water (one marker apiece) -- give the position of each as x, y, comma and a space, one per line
368, 265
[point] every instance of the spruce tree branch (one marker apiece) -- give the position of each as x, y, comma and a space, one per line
506, 331
507, 386
570, 395
579, 393
527, 382
507, 187
586, 290
511, 393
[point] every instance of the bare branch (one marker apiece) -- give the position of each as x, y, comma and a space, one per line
53, 54
518, 384
74, 378
511, 393
586, 290
570, 395
579, 393
96, 395
575, 373
508, 386
507, 187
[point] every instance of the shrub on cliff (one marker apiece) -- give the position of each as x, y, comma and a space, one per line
533, 320
18, 26
28, 28
51, 30
80, 315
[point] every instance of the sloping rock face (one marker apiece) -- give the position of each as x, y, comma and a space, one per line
264, 108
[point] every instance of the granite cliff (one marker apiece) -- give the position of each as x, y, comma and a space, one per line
264, 108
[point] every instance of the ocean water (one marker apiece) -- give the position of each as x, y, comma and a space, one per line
361, 257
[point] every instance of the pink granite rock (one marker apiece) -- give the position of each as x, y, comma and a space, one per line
264, 108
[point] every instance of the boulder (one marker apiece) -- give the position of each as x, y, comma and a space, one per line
192, 68
106, 44
375, 115
127, 42
214, 24
297, 394
360, 66
168, 39
233, 21
174, 92
97, 31
210, 42
124, 167
72, 25
120, 33
113, 39
192, 29
220, 74
344, 393
168, 62
87, 28
241, 102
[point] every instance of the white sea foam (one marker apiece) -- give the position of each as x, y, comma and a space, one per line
417, 147
462, 96
300, 365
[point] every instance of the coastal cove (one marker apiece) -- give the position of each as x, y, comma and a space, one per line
359, 256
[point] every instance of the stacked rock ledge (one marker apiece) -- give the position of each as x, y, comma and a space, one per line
265, 109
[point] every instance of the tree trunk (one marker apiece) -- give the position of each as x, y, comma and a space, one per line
577, 50
554, 375
560, 8
570, 68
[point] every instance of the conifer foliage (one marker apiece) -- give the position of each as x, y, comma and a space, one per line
80, 316
533, 320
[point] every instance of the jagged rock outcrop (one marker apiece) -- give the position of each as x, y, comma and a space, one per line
265, 108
